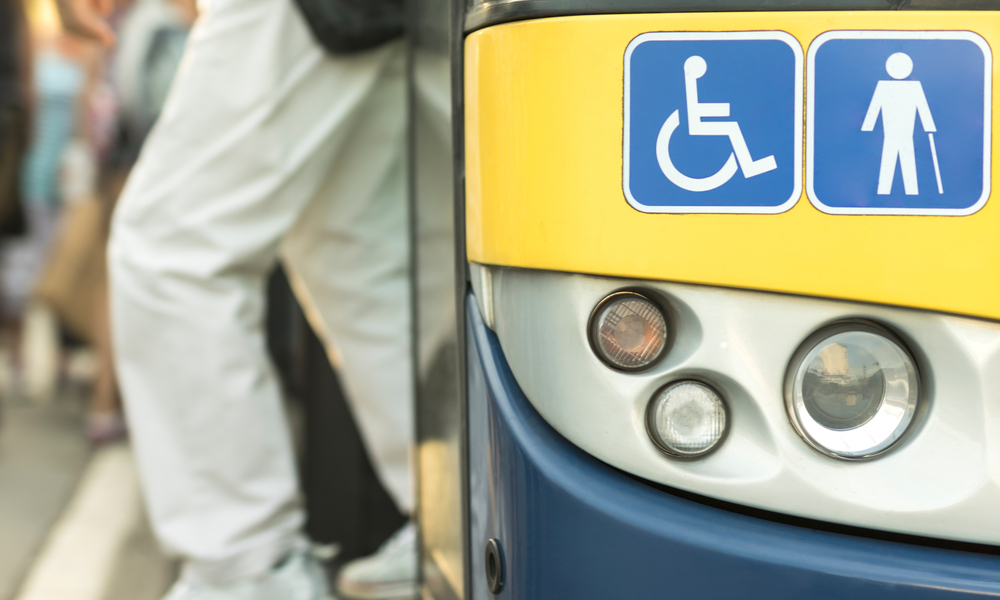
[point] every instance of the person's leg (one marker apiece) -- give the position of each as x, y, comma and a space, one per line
347, 258
908, 166
887, 168
257, 115
104, 417
105, 421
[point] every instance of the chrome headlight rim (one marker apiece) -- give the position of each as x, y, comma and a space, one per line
895, 418
651, 416
594, 324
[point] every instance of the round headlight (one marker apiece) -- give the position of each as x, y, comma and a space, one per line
627, 331
852, 390
687, 419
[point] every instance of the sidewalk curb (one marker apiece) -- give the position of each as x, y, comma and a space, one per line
79, 556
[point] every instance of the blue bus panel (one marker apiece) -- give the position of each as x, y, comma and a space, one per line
570, 526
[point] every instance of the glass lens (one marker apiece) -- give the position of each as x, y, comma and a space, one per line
688, 418
631, 332
853, 391
843, 385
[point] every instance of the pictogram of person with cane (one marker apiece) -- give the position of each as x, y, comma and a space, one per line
899, 103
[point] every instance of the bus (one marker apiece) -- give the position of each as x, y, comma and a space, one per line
706, 298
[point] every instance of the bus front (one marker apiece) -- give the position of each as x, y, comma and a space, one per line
733, 329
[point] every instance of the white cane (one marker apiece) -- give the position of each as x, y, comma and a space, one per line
937, 169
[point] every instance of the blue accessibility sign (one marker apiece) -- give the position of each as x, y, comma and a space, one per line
899, 122
713, 122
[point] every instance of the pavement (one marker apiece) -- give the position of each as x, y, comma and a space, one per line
72, 525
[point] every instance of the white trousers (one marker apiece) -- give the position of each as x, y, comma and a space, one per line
266, 146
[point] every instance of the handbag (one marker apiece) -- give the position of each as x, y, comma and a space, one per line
74, 277
349, 26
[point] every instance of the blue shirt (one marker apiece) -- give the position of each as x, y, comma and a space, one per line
58, 82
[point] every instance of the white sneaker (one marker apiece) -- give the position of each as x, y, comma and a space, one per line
300, 577
389, 574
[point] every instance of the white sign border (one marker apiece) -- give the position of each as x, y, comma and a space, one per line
776, 35
970, 36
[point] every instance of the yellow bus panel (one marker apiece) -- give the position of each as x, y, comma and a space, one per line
544, 136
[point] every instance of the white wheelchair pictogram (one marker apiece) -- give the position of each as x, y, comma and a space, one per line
740, 159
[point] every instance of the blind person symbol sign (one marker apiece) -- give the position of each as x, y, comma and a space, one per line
713, 122
898, 122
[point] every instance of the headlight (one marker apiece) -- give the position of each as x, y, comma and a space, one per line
686, 419
628, 331
852, 390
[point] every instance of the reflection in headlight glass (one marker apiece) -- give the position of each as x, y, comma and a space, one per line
853, 390
843, 386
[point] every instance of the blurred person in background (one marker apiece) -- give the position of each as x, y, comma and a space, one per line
151, 39
63, 69
15, 101
152, 34
267, 145
120, 108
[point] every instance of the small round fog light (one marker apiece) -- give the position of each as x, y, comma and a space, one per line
852, 390
687, 419
628, 331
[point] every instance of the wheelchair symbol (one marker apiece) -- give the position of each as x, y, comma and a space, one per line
694, 68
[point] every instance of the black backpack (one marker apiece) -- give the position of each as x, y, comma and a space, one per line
348, 26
